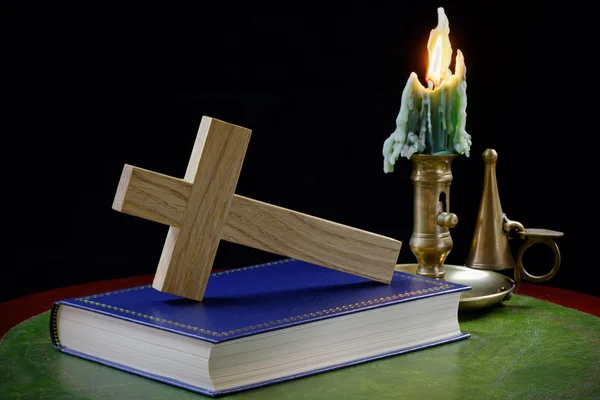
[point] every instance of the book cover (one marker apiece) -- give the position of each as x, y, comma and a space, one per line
257, 299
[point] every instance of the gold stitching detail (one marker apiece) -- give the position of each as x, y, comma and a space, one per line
54, 316
439, 286
230, 271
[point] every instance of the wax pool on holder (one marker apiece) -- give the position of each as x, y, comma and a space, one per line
432, 119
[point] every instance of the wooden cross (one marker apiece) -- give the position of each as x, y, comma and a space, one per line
202, 208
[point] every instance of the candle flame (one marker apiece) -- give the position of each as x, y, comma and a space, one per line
440, 50
434, 73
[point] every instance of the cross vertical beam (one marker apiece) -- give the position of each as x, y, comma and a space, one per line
213, 171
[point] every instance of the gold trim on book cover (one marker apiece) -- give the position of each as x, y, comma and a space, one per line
439, 286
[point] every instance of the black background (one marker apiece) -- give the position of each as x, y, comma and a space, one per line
94, 86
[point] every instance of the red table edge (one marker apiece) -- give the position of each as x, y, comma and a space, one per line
15, 311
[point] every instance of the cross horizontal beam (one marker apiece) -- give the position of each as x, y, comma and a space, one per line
161, 198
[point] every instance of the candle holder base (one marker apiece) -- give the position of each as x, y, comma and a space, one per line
488, 288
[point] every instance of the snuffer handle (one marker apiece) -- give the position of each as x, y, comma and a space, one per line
511, 226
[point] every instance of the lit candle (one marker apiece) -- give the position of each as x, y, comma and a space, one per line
432, 119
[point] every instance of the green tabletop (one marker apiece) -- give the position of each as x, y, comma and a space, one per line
523, 349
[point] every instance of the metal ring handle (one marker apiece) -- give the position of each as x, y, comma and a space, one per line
530, 242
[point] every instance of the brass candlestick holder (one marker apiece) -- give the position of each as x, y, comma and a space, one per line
431, 241
490, 251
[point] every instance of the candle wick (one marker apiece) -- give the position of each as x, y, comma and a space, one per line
430, 84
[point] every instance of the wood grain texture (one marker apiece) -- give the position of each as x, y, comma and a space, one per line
267, 227
152, 196
305, 237
213, 171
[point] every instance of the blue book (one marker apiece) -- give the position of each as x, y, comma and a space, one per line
258, 325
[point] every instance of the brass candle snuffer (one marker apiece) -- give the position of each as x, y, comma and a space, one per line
490, 251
